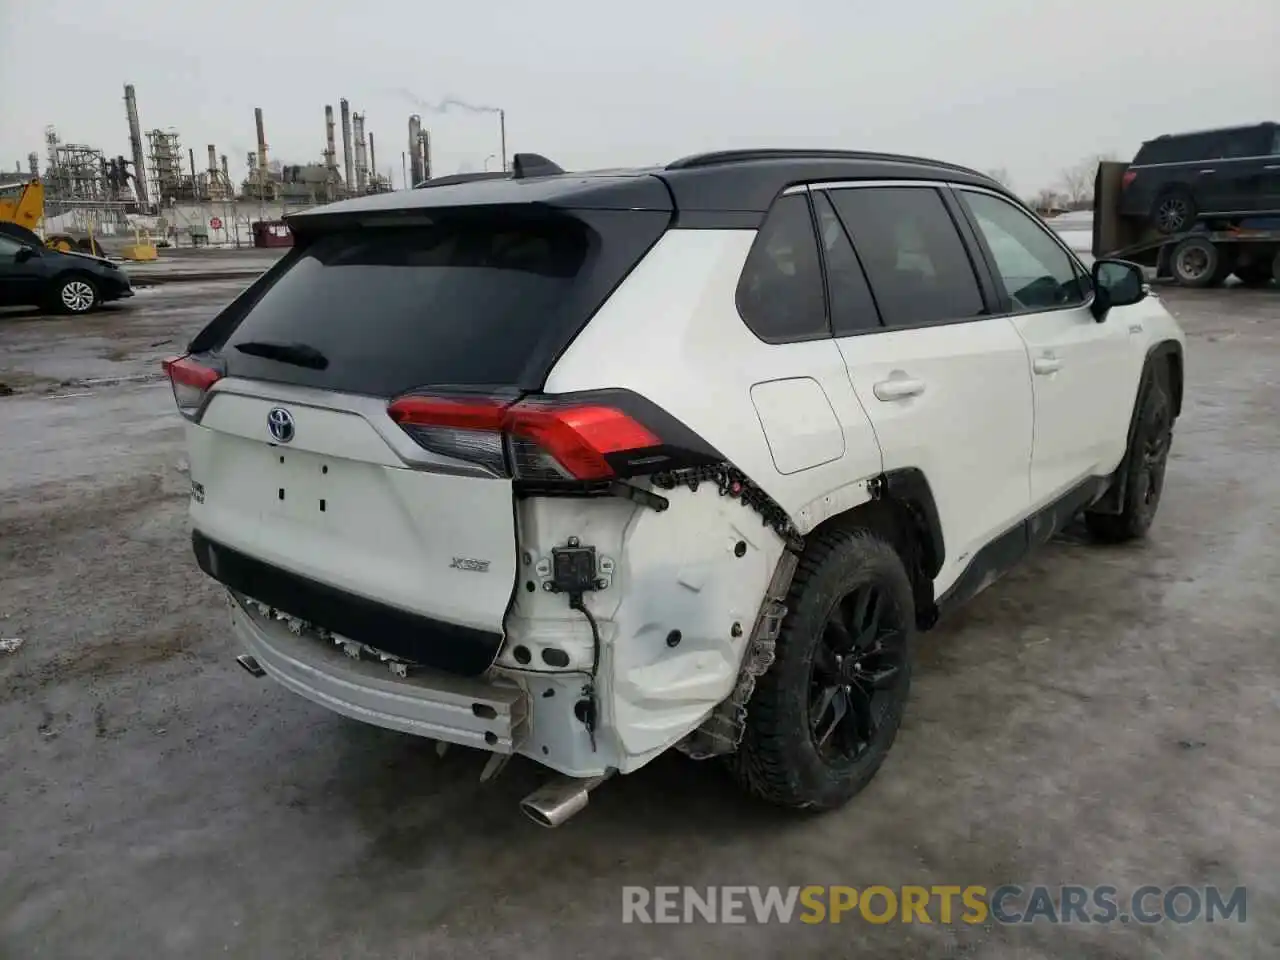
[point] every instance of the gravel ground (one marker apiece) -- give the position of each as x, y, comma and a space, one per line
1100, 716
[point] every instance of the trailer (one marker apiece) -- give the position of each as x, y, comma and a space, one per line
1206, 255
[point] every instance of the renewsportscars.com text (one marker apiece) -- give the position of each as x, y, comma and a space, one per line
938, 903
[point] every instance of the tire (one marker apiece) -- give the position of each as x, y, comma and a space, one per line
1174, 211
74, 294
1144, 469
812, 740
1254, 274
1196, 262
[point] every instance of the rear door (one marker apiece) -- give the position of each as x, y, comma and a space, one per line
18, 281
295, 460
1269, 200
945, 384
1081, 369
1241, 164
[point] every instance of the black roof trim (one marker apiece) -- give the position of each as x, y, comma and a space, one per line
719, 157
461, 178
728, 189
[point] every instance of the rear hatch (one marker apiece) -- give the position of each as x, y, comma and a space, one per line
350, 443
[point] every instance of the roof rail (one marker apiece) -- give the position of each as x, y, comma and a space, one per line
719, 157
461, 178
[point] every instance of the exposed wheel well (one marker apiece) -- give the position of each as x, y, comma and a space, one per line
902, 513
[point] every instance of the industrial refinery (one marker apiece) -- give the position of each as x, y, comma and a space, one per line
184, 194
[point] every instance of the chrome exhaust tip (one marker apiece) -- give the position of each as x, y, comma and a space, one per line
251, 665
555, 802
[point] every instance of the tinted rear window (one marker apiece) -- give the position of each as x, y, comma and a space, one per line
488, 300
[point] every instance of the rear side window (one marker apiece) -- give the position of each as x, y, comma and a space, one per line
1181, 149
780, 291
477, 300
914, 258
1251, 142
1215, 144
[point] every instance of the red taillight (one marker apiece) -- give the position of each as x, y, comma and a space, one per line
464, 429
190, 382
1128, 178
544, 440
576, 437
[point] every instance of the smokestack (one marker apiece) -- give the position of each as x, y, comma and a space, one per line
262, 141
330, 150
348, 166
191, 158
226, 175
362, 170
135, 143
415, 150
213, 162
33, 163
373, 162
424, 147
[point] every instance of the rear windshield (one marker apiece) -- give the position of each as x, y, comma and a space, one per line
472, 301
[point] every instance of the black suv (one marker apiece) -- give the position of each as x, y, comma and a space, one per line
33, 275
1177, 178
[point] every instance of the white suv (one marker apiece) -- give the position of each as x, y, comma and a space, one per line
584, 467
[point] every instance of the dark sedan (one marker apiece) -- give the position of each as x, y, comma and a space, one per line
33, 275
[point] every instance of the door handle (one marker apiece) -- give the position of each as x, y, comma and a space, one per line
1272, 166
898, 388
1046, 365
1211, 170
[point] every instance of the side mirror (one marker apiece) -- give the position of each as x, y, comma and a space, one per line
24, 253
1116, 283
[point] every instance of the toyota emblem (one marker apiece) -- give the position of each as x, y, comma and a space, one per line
280, 423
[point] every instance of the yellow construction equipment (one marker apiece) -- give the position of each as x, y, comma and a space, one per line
22, 204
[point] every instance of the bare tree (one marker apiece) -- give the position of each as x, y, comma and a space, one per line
1077, 180
1001, 176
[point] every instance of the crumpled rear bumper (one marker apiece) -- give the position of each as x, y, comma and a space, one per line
463, 710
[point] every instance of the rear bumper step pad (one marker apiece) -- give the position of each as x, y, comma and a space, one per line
493, 717
448, 647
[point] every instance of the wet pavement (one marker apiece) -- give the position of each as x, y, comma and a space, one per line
1100, 716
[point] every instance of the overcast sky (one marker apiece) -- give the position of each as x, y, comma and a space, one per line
1028, 85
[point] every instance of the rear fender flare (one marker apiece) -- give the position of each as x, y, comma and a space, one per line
909, 488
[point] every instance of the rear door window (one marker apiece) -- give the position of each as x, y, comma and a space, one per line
852, 308
475, 300
915, 260
779, 294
